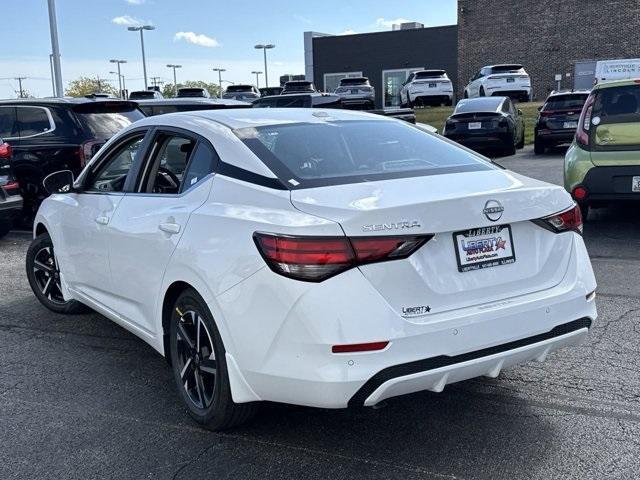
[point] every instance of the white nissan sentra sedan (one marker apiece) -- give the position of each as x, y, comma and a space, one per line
322, 258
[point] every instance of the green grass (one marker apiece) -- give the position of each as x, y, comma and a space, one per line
436, 116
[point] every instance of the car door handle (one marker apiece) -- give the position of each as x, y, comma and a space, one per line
102, 220
170, 228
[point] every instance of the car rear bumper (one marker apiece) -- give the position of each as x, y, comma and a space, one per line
289, 356
10, 208
611, 183
485, 139
559, 136
520, 93
431, 97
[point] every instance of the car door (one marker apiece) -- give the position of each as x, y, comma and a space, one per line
84, 217
174, 181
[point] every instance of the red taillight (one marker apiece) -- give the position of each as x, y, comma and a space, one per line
5, 150
569, 220
315, 259
12, 185
359, 347
580, 193
584, 124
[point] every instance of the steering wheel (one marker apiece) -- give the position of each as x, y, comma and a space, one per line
167, 180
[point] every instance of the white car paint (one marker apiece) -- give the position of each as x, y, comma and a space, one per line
427, 86
499, 80
279, 332
611, 70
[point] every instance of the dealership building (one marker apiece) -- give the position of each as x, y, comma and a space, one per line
549, 38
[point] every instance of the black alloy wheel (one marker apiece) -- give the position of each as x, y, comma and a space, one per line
199, 365
43, 273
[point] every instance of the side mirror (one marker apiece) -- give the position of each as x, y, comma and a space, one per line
519, 112
59, 182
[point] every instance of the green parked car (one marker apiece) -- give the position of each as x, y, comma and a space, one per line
603, 163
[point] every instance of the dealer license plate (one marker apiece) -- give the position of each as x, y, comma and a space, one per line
484, 247
635, 184
570, 125
475, 125
511, 80
433, 85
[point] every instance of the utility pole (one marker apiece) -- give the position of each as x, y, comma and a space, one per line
55, 49
175, 82
156, 81
219, 70
21, 92
99, 82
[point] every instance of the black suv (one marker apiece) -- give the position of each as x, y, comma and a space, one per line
558, 119
51, 134
10, 199
298, 86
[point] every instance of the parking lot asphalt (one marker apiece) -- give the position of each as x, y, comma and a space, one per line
81, 398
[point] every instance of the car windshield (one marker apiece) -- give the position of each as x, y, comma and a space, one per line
487, 104
314, 154
566, 102
103, 121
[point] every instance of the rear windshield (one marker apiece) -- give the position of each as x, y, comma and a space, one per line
566, 102
306, 155
104, 120
355, 81
478, 105
617, 104
507, 69
191, 92
142, 95
430, 74
239, 88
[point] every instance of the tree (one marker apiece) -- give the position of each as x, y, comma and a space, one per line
168, 89
86, 86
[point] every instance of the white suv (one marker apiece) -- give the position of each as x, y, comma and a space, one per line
509, 80
427, 87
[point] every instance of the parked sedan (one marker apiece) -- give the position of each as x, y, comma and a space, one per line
558, 119
326, 258
492, 123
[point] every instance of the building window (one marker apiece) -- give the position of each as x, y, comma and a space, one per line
392, 82
332, 80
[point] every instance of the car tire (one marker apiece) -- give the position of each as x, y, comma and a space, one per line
520, 143
43, 274
199, 366
5, 228
584, 210
482, 92
539, 146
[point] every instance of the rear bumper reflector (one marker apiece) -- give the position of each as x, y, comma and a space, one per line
359, 347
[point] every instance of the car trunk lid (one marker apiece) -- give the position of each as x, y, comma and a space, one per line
435, 277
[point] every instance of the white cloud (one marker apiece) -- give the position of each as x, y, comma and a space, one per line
348, 31
383, 22
128, 21
196, 39
302, 19
135, 2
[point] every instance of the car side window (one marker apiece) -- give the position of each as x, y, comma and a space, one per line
506, 106
8, 123
165, 171
112, 173
410, 78
202, 163
33, 121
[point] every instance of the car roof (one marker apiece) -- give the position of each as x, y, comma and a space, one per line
188, 101
61, 101
505, 65
483, 103
260, 117
431, 70
617, 83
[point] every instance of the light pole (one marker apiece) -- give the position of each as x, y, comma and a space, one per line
264, 48
256, 73
175, 82
55, 49
219, 70
141, 29
118, 62
124, 86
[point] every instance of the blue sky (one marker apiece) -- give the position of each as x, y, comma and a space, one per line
199, 34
